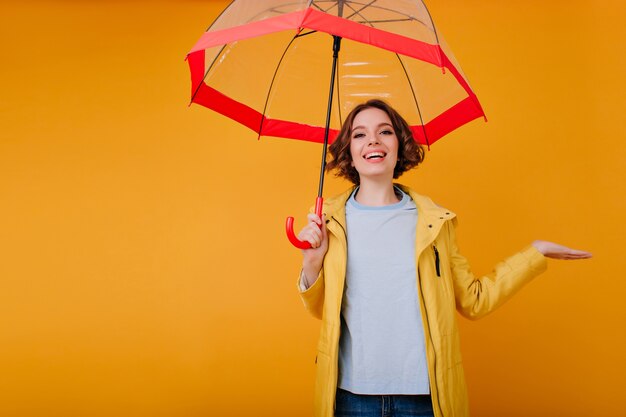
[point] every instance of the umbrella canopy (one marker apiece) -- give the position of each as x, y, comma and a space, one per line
266, 65
263, 64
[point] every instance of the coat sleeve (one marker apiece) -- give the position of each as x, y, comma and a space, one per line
313, 297
478, 296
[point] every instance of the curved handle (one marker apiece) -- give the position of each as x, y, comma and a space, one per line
300, 244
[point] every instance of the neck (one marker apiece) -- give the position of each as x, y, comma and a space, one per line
376, 194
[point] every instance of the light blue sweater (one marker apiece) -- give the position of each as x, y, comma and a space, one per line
382, 349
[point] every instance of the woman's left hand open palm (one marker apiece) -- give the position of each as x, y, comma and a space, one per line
556, 251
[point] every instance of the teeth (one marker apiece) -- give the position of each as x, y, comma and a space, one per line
375, 155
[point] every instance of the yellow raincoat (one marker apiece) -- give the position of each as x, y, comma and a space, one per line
445, 284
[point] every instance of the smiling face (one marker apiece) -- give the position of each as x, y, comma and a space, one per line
373, 145
346, 157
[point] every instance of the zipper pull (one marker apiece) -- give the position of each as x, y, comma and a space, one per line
437, 261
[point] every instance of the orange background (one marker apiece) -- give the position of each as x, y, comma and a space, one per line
143, 267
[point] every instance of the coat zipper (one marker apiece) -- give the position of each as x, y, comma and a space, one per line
437, 261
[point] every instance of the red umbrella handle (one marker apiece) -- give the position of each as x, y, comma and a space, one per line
302, 244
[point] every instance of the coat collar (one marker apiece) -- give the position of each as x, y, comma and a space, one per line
430, 217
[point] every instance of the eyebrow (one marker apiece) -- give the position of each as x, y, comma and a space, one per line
363, 127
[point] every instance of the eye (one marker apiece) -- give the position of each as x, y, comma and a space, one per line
358, 135
386, 132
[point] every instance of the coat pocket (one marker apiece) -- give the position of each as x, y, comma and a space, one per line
324, 386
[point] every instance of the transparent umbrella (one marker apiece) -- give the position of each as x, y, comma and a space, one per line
293, 69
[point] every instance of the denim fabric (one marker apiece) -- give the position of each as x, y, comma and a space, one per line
348, 404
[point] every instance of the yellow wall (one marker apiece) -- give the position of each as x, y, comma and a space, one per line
143, 267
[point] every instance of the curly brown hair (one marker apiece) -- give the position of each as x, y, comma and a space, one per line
410, 153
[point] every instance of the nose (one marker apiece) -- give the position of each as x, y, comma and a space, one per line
373, 140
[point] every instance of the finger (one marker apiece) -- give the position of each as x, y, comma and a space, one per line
569, 256
579, 256
309, 230
309, 227
311, 241
313, 236
304, 232
580, 253
575, 254
320, 235
314, 218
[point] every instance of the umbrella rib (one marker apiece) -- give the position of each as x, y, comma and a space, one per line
299, 35
409, 17
358, 12
432, 22
207, 73
332, 4
220, 52
419, 112
269, 90
275, 9
314, 4
386, 21
220, 15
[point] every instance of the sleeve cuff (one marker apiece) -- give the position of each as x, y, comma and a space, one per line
302, 282
535, 259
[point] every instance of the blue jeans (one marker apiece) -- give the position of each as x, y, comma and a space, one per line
357, 405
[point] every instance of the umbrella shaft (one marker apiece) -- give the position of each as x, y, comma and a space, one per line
336, 47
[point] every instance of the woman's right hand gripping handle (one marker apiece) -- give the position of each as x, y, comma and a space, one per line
313, 259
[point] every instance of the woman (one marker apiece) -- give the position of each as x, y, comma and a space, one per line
385, 276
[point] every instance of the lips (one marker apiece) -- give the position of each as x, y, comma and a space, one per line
375, 155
